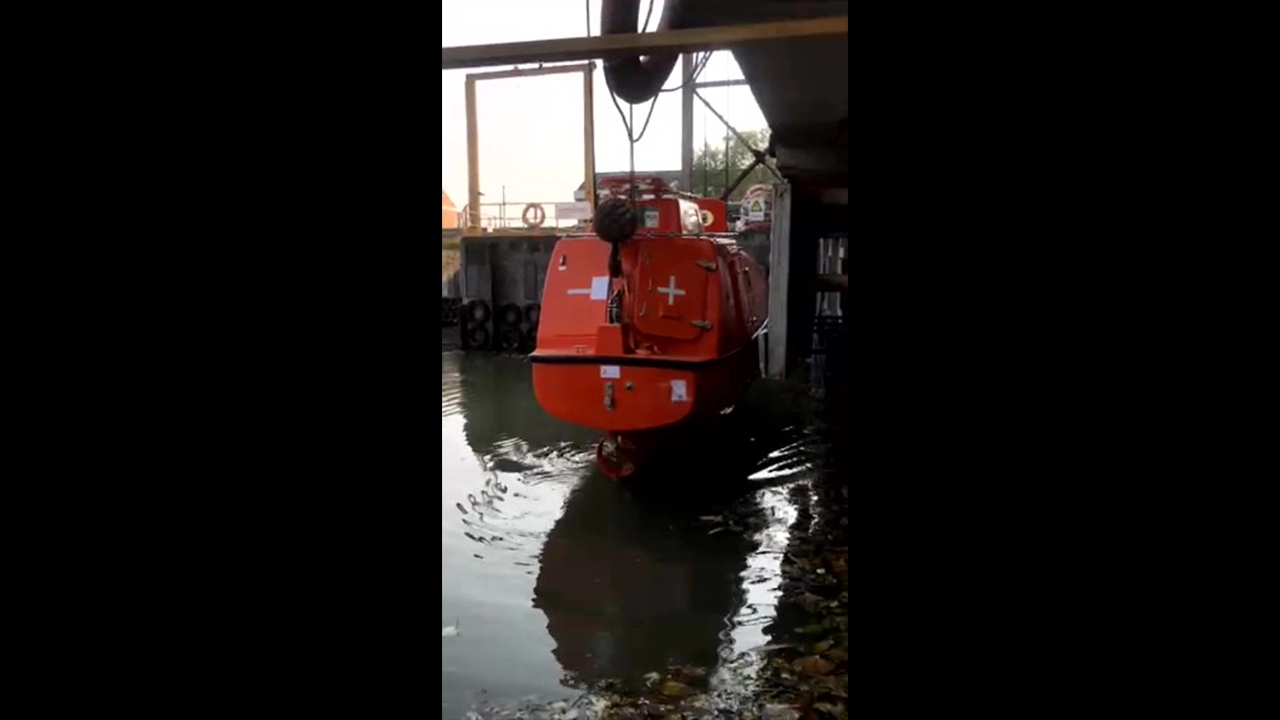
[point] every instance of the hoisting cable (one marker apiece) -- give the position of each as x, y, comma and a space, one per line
617, 224
759, 155
699, 65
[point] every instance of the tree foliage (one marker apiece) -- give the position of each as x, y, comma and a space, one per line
711, 174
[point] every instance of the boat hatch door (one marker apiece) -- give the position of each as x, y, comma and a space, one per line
673, 289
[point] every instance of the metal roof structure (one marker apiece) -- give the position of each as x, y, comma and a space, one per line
794, 55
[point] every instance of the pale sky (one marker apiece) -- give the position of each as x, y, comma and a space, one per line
531, 128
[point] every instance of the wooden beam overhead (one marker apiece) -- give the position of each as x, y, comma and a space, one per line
532, 72
613, 46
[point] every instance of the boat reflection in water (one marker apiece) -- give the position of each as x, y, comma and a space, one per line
635, 579
631, 584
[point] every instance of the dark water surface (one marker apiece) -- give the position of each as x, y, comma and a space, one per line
555, 577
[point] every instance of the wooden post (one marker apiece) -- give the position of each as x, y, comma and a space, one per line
474, 218
589, 133
779, 280
473, 159
686, 123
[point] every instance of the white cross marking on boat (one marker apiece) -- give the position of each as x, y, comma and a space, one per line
671, 292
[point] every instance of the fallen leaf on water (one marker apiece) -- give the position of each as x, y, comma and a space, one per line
813, 665
779, 712
671, 688
834, 685
839, 565
688, 673
828, 708
837, 656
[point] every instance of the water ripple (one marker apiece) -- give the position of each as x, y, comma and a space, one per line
556, 578
450, 386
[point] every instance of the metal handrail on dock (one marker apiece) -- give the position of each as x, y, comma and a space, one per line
525, 217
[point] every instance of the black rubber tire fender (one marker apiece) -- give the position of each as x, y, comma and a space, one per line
510, 315
478, 337
478, 312
510, 338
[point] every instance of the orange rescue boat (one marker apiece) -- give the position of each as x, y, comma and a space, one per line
650, 323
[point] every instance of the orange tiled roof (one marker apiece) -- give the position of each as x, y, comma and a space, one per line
448, 212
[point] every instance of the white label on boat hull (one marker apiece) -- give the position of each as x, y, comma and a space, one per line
679, 391
610, 372
600, 288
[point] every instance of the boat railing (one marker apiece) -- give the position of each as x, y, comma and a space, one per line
525, 217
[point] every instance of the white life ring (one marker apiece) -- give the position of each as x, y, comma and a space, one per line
708, 218
539, 215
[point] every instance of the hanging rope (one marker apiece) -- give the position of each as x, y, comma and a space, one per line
632, 150
699, 64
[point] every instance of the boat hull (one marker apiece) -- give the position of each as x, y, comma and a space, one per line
641, 405
630, 394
